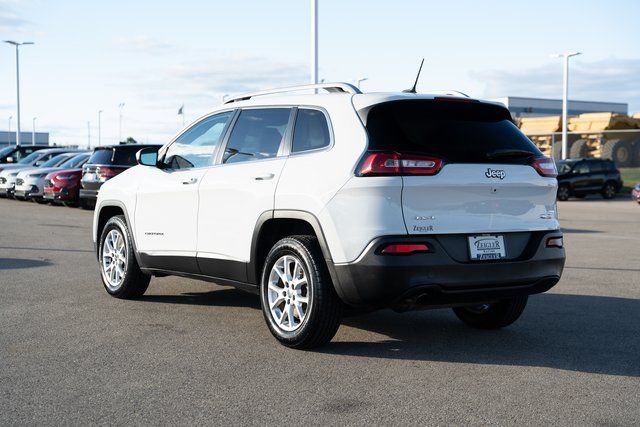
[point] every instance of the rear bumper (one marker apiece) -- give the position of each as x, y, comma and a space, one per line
88, 194
446, 276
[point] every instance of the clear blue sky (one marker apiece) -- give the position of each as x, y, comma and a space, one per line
156, 55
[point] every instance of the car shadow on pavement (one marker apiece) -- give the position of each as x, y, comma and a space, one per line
18, 263
222, 298
572, 332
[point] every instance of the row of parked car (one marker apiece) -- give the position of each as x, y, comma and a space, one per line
61, 175
73, 178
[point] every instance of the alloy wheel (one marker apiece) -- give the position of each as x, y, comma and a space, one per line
288, 293
114, 259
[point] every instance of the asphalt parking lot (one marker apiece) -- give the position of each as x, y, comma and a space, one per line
192, 352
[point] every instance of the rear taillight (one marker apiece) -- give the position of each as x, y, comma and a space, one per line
404, 248
545, 166
105, 173
376, 164
555, 242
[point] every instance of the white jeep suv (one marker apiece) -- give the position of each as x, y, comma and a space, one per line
318, 202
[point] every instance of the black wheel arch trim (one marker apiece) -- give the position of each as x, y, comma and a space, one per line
117, 204
306, 216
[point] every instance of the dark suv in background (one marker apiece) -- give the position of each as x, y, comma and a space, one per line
579, 177
15, 153
105, 163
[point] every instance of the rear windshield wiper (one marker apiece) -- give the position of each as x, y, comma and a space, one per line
507, 153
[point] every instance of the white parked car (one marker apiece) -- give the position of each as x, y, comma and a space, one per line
30, 182
321, 201
9, 172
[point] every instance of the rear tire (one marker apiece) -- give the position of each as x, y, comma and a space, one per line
299, 303
492, 316
563, 192
609, 190
618, 150
119, 269
579, 149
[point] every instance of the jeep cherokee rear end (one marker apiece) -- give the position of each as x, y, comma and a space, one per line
476, 200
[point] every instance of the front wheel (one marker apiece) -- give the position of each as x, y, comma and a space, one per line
492, 315
121, 275
299, 303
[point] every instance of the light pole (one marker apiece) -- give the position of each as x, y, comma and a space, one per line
33, 131
17, 45
9, 136
314, 42
565, 98
360, 80
99, 127
120, 106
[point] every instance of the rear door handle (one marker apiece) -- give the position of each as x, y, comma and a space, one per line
191, 181
264, 177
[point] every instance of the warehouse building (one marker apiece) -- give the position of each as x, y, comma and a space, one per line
538, 107
7, 138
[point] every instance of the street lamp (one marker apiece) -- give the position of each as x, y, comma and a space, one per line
33, 131
360, 80
314, 42
120, 106
17, 45
99, 127
565, 96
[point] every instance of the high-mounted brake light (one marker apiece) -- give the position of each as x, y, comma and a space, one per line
545, 166
375, 164
404, 248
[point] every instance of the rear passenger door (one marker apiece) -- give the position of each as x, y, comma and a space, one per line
582, 177
239, 189
597, 174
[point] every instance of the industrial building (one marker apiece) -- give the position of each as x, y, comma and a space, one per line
7, 138
539, 107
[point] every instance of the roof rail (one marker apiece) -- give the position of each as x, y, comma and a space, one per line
448, 92
329, 87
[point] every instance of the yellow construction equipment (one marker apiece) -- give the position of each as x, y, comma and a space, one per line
540, 130
591, 135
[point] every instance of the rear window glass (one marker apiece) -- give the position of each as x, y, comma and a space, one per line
457, 132
121, 155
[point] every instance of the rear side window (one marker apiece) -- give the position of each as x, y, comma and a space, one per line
101, 156
257, 135
457, 132
311, 131
582, 167
596, 166
121, 155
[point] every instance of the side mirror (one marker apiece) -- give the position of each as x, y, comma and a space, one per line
9, 160
38, 163
147, 156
